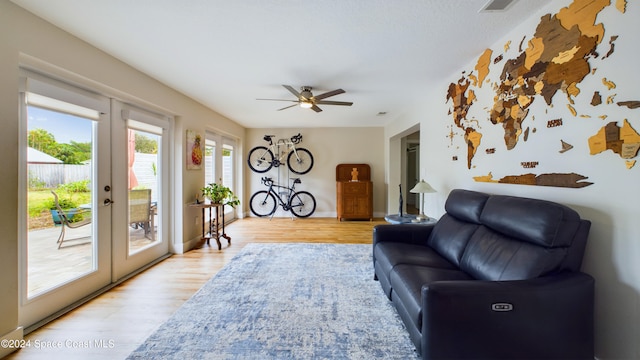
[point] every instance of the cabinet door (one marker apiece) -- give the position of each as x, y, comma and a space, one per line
355, 200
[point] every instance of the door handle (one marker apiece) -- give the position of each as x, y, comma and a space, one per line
107, 202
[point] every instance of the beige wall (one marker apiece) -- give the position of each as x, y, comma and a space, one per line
612, 203
329, 147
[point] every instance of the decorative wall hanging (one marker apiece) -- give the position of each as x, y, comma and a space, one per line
561, 53
194, 150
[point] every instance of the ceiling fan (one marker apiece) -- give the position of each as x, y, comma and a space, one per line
305, 99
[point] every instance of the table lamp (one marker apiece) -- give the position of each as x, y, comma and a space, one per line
422, 188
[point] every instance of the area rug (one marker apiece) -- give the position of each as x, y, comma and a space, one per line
286, 301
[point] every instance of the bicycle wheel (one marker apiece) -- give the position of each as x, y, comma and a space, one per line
302, 204
302, 163
262, 203
260, 159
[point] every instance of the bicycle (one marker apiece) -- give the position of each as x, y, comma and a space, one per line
299, 160
263, 203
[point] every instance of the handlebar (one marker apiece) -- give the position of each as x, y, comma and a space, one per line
296, 139
269, 181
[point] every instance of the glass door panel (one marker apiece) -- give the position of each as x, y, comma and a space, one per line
61, 231
142, 156
228, 178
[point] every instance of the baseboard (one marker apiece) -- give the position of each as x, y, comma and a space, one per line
191, 244
11, 342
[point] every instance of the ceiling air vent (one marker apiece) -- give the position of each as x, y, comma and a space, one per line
497, 5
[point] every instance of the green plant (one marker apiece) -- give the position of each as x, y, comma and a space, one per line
220, 194
65, 203
75, 187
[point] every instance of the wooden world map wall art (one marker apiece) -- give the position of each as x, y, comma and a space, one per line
557, 58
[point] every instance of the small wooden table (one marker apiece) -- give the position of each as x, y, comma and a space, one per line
216, 229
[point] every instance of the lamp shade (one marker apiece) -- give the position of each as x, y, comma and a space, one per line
422, 187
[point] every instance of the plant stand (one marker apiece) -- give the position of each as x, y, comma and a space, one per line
216, 224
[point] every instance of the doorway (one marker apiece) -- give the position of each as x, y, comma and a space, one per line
404, 169
65, 194
82, 225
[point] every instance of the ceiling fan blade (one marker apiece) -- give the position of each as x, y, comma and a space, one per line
330, 93
292, 90
315, 108
278, 100
286, 107
326, 102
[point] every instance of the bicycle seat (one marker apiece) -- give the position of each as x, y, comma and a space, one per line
296, 180
268, 137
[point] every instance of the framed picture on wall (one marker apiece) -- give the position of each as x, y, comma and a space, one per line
194, 150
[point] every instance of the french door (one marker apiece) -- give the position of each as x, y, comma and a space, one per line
65, 171
220, 165
140, 195
93, 194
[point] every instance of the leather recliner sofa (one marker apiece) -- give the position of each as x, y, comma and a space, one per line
496, 277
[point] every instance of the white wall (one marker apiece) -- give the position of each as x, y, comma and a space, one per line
27, 40
329, 147
612, 203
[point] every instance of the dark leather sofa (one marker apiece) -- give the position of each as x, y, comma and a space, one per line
497, 277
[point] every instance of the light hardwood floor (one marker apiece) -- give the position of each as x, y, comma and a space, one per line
124, 317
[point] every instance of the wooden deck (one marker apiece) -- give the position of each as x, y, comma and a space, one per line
124, 317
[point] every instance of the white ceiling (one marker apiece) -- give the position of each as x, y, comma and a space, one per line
226, 54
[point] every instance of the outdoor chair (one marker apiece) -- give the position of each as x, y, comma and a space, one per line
68, 219
140, 211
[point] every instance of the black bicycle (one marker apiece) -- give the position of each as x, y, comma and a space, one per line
261, 158
263, 203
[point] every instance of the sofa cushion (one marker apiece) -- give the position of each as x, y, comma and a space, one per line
490, 255
390, 254
407, 280
466, 205
535, 221
450, 236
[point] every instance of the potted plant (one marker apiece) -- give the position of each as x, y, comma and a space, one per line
68, 206
220, 194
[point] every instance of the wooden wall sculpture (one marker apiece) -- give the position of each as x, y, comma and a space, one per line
556, 59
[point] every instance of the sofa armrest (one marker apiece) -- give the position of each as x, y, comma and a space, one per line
542, 318
405, 233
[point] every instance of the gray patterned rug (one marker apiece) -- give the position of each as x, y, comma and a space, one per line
286, 301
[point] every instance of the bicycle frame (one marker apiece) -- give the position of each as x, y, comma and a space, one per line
290, 146
278, 195
262, 158
265, 202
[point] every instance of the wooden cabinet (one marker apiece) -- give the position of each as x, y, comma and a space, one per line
354, 198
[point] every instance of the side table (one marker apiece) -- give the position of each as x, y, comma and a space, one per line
408, 219
216, 229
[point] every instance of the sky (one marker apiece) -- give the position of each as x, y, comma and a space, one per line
65, 128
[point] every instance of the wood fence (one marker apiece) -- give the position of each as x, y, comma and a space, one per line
51, 175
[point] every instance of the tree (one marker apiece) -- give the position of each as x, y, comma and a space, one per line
42, 140
146, 145
74, 153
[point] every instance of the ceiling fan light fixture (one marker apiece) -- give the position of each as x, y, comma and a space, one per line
305, 105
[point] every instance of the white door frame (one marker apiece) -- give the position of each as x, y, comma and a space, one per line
125, 263
41, 306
